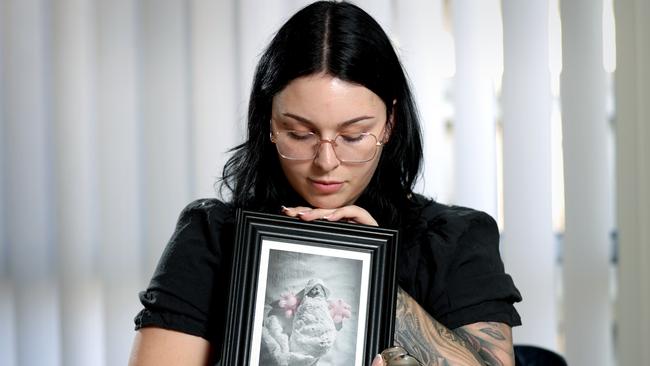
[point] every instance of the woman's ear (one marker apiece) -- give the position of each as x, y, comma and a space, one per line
390, 122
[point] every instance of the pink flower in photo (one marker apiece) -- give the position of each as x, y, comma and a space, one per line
339, 310
289, 303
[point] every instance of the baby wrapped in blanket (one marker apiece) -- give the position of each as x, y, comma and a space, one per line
312, 331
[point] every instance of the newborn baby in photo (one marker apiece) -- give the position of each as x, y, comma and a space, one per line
313, 332
305, 339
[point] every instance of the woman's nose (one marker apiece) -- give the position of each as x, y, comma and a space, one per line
326, 158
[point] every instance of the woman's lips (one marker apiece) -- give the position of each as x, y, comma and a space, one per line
326, 187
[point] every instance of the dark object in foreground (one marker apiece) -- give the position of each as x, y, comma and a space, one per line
397, 356
537, 356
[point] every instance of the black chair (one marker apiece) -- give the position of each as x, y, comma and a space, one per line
537, 356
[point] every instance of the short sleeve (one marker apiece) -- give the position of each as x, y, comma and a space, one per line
477, 287
186, 292
452, 267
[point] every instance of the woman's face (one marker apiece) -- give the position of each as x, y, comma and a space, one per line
328, 106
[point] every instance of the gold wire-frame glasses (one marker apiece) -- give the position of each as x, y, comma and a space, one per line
349, 148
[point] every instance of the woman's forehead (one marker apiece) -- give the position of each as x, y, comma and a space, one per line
322, 96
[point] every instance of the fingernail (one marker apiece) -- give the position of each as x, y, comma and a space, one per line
301, 213
284, 208
326, 217
377, 358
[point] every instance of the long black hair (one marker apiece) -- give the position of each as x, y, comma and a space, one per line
341, 40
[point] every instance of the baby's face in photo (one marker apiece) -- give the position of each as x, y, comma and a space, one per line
316, 291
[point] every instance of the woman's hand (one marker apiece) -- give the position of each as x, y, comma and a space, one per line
395, 356
349, 213
378, 361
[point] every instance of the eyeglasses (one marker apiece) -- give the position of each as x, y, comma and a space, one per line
349, 147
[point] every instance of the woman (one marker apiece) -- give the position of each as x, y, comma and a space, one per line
333, 134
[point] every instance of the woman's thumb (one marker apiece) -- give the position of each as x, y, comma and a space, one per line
378, 361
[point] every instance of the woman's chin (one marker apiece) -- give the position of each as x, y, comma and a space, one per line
328, 202
324, 205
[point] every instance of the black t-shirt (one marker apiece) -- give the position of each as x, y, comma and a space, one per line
448, 261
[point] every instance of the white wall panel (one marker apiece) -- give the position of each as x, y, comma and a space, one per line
381, 10
75, 135
29, 190
119, 159
83, 305
419, 37
474, 105
633, 181
38, 324
166, 138
295, 5
8, 320
587, 308
528, 241
4, 260
257, 23
74, 79
28, 170
216, 94
7, 311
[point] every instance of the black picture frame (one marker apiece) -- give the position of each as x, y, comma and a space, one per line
270, 249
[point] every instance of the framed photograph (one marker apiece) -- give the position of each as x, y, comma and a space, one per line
309, 293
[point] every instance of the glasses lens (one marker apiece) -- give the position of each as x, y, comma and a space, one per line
355, 148
350, 148
297, 145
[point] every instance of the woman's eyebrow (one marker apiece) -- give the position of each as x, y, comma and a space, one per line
342, 124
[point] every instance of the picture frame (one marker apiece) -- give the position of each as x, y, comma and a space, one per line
309, 291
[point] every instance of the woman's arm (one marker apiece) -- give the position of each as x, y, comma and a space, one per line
162, 347
492, 341
434, 344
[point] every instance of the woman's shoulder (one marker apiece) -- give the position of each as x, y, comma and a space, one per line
432, 208
212, 209
450, 222
208, 205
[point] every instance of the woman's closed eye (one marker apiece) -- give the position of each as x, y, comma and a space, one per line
351, 138
300, 135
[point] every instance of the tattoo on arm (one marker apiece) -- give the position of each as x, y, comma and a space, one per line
492, 341
427, 340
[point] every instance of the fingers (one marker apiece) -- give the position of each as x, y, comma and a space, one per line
307, 213
378, 361
294, 211
350, 213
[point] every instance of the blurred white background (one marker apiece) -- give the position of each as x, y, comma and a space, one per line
114, 114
